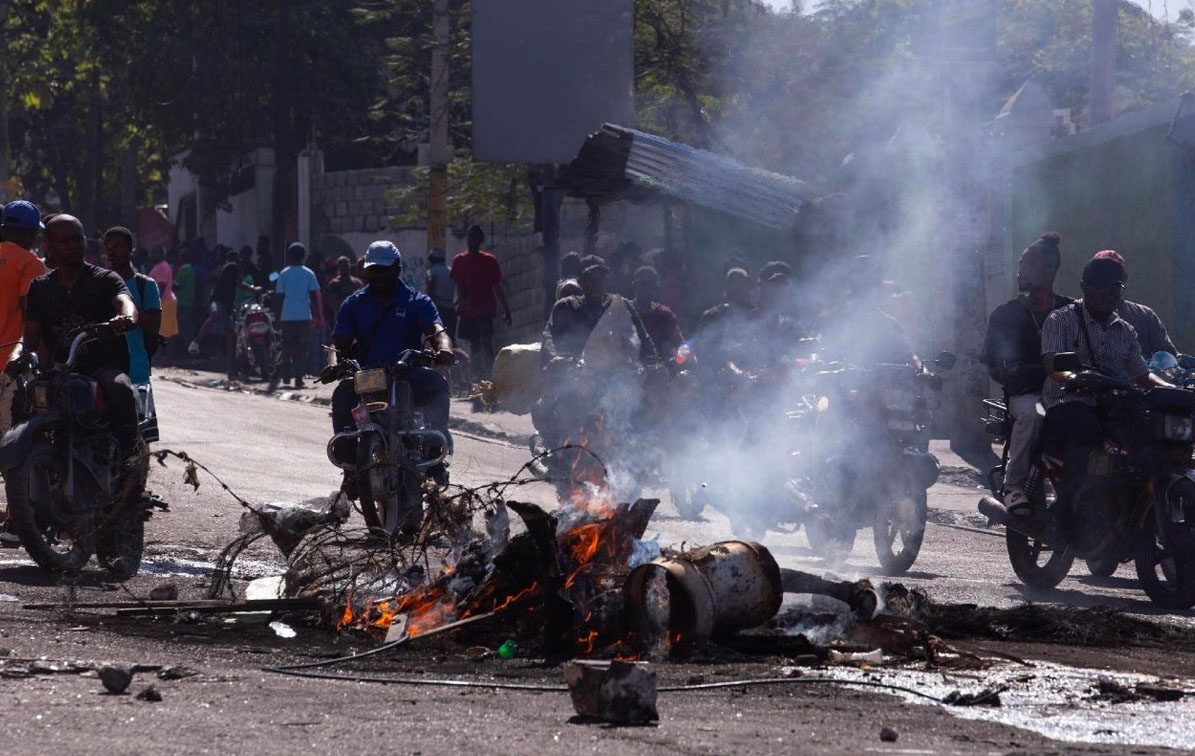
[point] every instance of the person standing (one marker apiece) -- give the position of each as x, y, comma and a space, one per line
118, 247
478, 278
1012, 353
437, 284
20, 223
224, 292
163, 273
300, 313
185, 294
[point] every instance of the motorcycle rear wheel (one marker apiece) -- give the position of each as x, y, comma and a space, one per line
1026, 554
903, 519
1166, 576
263, 363
391, 499
55, 547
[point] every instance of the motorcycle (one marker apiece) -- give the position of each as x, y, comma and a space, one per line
1137, 495
864, 460
258, 340
392, 449
67, 495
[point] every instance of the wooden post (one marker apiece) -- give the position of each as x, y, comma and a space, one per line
1102, 101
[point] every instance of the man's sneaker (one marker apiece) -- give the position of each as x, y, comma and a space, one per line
1017, 503
193, 349
8, 538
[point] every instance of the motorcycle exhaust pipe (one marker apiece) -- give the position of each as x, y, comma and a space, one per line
992, 508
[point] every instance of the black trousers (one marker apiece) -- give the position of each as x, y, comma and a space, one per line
295, 336
122, 405
1075, 429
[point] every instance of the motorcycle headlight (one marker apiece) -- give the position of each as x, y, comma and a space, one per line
896, 400
1177, 428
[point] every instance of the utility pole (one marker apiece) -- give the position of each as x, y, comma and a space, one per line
5, 167
440, 152
1102, 88
284, 157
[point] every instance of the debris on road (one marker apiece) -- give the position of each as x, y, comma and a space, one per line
116, 679
164, 592
150, 694
616, 691
888, 735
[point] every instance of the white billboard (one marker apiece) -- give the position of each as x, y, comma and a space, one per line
547, 73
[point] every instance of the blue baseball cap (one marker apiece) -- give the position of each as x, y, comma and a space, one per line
382, 253
21, 214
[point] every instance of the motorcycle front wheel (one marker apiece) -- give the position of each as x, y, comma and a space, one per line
58, 534
391, 499
898, 531
120, 540
1037, 565
830, 540
1167, 575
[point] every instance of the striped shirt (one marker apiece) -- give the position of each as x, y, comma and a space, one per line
1115, 346
1151, 333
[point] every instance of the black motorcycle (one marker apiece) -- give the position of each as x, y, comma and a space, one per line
864, 460
67, 494
392, 449
1136, 496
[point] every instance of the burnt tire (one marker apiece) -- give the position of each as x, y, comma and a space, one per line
898, 531
58, 536
830, 540
1167, 575
1038, 566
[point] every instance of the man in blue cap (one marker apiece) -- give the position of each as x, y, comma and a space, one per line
375, 325
20, 223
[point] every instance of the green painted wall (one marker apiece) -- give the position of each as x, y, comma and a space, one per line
1117, 194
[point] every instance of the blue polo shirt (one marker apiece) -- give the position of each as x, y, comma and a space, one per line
407, 315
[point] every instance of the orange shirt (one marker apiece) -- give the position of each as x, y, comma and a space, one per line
18, 267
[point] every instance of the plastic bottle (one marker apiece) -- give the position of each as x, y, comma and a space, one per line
509, 649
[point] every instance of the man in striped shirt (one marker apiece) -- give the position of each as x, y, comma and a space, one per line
1102, 339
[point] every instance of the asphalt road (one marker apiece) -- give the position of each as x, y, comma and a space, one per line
270, 450
266, 450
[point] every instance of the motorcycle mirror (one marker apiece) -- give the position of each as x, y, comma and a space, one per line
1067, 362
946, 360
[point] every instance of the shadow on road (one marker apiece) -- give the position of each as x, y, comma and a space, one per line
36, 577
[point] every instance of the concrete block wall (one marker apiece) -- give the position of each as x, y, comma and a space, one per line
356, 201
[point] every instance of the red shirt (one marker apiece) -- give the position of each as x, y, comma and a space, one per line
477, 275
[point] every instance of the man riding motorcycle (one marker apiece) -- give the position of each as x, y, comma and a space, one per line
375, 326
76, 293
1012, 353
565, 336
1090, 328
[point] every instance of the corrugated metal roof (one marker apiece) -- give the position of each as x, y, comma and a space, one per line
617, 159
713, 181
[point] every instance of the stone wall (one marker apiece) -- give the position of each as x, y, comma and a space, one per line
347, 201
